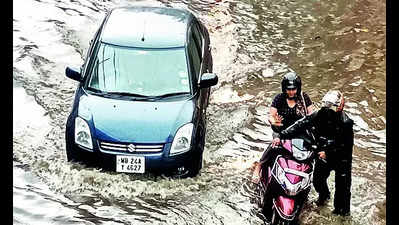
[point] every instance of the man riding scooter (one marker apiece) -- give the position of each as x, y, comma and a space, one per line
333, 129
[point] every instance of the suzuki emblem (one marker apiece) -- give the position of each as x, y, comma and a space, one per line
131, 148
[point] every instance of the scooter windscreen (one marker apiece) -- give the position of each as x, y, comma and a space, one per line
300, 151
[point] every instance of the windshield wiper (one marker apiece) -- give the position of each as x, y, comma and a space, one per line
128, 94
97, 92
109, 94
169, 95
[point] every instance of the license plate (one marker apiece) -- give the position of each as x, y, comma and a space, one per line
130, 164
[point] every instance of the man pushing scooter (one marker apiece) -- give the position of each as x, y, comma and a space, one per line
332, 127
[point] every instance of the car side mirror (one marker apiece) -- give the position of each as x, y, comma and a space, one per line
207, 80
73, 73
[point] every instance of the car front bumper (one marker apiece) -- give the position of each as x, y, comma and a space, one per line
154, 162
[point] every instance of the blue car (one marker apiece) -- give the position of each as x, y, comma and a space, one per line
140, 105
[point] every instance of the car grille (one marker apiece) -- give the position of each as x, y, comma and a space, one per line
132, 148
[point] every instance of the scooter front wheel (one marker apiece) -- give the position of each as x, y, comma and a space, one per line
277, 220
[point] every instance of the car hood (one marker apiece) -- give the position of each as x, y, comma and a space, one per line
117, 120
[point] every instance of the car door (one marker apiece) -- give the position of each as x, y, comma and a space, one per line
196, 66
201, 44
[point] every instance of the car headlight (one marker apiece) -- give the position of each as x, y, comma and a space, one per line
82, 133
182, 141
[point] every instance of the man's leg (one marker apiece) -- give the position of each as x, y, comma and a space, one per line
321, 172
343, 181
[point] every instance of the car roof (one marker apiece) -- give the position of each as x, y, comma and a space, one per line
146, 27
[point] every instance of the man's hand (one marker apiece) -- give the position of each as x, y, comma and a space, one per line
275, 142
322, 155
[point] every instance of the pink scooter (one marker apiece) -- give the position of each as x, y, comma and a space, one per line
285, 184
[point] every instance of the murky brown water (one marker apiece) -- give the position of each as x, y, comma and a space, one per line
334, 44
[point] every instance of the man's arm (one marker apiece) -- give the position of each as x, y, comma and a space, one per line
297, 127
348, 138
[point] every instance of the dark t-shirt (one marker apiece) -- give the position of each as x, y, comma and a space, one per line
290, 115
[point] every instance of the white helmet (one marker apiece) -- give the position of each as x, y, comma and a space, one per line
334, 99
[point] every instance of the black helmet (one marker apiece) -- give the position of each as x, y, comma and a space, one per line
291, 80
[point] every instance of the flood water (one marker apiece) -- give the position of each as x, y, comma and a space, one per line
330, 44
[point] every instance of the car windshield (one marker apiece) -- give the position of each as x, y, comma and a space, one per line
136, 71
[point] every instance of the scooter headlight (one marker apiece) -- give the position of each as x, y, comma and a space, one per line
299, 150
82, 133
281, 177
280, 174
300, 155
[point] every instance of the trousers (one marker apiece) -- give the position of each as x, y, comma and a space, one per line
343, 181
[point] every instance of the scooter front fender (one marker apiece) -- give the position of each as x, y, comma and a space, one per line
285, 207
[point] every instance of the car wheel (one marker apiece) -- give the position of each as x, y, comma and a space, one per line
72, 155
195, 167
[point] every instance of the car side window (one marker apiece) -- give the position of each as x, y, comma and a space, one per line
194, 56
89, 53
198, 37
92, 47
